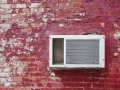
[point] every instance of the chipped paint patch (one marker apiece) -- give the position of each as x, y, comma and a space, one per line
2, 43
40, 11
4, 27
37, 25
54, 78
6, 6
36, 35
33, 5
5, 72
115, 54
44, 19
23, 24
5, 82
29, 39
52, 74
82, 14
17, 64
30, 20
119, 49
2, 57
52, 19
117, 34
5, 17
115, 25
13, 42
77, 19
102, 24
21, 6
33, 10
61, 25
67, 4
30, 48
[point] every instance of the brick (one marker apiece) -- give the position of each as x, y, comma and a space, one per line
6, 6
16, 79
66, 79
66, 88
20, 6
27, 1
54, 84
4, 89
6, 17
26, 10
17, 88
77, 79
91, 80
37, 24
20, 15
98, 85
3, 1
5, 11
84, 84
5, 27
33, 5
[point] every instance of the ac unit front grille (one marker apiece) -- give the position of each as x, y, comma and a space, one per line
82, 51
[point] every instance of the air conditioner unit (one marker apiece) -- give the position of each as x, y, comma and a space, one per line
76, 51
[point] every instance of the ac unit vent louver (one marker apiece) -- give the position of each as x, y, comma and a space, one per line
82, 51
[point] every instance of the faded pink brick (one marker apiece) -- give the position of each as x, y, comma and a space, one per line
37, 24
26, 10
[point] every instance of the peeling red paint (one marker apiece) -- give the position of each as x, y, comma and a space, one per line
25, 26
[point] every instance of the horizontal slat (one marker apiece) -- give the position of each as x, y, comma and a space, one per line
82, 56
80, 51
83, 40
81, 43
93, 46
82, 62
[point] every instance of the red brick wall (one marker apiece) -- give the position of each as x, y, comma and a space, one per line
25, 26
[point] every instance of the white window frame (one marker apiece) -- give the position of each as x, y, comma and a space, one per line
83, 37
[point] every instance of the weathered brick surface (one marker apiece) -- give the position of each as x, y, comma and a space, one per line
24, 29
